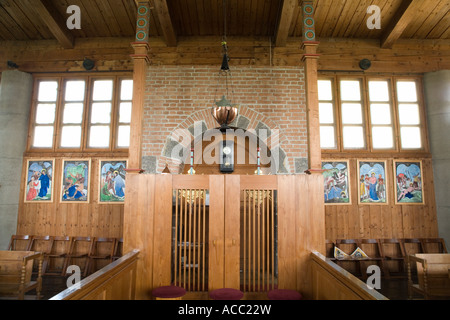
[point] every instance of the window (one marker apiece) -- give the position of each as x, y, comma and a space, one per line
370, 113
82, 113
352, 114
381, 114
326, 115
409, 115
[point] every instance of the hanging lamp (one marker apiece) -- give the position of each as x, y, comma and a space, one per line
224, 111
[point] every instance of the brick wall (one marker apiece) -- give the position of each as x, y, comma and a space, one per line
270, 98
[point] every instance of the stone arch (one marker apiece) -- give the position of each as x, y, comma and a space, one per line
178, 144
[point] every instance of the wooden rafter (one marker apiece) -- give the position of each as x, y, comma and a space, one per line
165, 20
401, 20
54, 22
285, 21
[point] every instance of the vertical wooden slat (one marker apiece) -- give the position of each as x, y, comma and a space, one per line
232, 232
162, 233
216, 233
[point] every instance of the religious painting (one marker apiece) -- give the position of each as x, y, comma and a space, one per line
75, 181
408, 182
112, 181
372, 182
39, 180
336, 182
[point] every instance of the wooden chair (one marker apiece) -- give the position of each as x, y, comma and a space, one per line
396, 254
42, 244
59, 250
432, 275
412, 246
101, 249
330, 249
118, 250
19, 243
433, 245
376, 254
16, 271
354, 243
79, 250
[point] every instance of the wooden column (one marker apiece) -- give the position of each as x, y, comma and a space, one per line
141, 61
310, 58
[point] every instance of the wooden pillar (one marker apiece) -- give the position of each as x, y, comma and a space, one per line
310, 58
141, 61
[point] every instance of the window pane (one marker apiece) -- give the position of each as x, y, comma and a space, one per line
71, 137
125, 112
103, 90
411, 138
73, 113
126, 92
123, 140
75, 90
101, 113
327, 138
43, 137
353, 137
380, 113
99, 137
406, 91
382, 138
326, 113
379, 91
409, 114
350, 90
45, 113
48, 91
351, 113
325, 91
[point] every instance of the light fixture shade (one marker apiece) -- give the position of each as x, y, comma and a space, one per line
224, 112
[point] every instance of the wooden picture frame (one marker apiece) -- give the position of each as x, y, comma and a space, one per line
112, 182
408, 182
372, 182
75, 181
336, 176
39, 184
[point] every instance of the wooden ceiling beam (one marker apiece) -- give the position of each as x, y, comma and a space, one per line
285, 20
402, 18
54, 21
162, 10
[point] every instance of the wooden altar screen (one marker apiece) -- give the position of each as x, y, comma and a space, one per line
208, 232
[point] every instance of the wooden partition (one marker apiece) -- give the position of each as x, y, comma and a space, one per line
331, 282
157, 224
116, 281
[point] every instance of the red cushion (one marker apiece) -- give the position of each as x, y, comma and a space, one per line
284, 294
169, 292
226, 294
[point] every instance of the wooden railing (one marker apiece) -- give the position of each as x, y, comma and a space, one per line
116, 281
331, 282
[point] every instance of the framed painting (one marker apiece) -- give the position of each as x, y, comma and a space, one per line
336, 182
408, 182
39, 180
112, 181
372, 182
75, 181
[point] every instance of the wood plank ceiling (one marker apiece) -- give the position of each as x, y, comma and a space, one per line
279, 20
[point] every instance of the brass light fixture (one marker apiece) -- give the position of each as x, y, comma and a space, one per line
224, 111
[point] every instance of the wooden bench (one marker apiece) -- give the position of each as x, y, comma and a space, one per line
432, 273
16, 269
